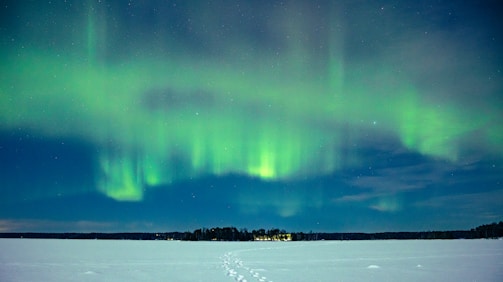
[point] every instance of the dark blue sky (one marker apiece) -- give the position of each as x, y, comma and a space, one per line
302, 115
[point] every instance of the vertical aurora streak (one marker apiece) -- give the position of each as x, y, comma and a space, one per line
91, 34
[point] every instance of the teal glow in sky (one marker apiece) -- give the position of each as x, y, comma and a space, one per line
316, 109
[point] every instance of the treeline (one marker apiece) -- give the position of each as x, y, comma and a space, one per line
101, 236
494, 230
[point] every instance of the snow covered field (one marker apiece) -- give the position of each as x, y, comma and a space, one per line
99, 260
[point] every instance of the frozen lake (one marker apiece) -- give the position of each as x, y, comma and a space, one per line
100, 260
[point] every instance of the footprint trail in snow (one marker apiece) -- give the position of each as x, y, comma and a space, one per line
235, 269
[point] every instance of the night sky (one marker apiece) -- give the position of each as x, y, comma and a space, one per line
331, 116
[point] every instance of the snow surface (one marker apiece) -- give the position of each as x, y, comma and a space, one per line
115, 260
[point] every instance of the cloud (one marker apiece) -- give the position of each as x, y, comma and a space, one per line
278, 198
79, 225
35, 225
472, 202
385, 187
393, 180
387, 204
462, 210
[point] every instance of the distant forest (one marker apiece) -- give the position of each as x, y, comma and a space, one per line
489, 231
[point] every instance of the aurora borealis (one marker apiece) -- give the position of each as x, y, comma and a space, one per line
308, 115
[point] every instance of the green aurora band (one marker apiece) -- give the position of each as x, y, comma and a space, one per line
158, 118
